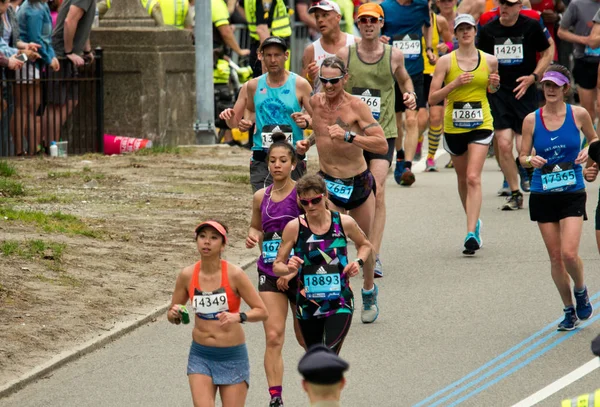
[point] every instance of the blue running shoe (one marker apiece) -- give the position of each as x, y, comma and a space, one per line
524, 175
584, 309
370, 310
570, 322
472, 244
478, 232
398, 171
378, 268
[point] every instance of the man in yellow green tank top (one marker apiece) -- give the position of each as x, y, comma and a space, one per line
373, 67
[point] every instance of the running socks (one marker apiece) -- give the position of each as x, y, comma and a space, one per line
408, 164
433, 138
400, 155
275, 391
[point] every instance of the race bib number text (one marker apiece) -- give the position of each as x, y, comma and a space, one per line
467, 115
509, 51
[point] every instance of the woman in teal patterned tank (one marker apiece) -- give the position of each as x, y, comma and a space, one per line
325, 301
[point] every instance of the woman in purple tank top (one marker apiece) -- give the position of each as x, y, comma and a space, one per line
272, 208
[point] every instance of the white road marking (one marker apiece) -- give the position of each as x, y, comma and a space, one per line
560, 384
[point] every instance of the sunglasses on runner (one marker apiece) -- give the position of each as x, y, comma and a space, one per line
315, 201
333, 81
508, 3
369, 20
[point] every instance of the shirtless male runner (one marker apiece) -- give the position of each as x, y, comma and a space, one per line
373, 69
343, 127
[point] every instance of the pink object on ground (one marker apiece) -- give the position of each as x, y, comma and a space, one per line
119, 145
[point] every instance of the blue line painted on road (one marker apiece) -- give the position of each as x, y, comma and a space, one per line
474, 373
527, 361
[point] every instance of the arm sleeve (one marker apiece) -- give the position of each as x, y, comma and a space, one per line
220, 14
569, 17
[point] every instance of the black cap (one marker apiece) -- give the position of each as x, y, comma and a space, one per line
594, 151
596, 346
320, 365
274, 41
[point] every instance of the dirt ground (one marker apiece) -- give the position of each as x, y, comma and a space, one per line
66, 279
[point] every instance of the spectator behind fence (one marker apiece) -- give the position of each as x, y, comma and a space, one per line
11, 45
35, 25
70, 39
13, 64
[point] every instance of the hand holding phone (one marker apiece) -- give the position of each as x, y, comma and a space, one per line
21, 57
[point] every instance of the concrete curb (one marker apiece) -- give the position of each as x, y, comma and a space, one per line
65, 357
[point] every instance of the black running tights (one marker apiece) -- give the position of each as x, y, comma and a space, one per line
329, 331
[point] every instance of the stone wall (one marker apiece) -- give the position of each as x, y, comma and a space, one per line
149, 81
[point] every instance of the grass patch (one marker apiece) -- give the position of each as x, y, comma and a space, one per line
11, 188
7, 169
53, 198
60, 174
154, 150
89, 177
87, 169
49, 253
55, 222
9, 247
236, 178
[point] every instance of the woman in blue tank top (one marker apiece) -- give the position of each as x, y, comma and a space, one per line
272, 208
558, 197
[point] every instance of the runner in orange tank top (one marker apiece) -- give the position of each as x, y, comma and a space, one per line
218, 356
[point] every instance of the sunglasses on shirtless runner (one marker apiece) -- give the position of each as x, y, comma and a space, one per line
315, 201
333, 81
369, 20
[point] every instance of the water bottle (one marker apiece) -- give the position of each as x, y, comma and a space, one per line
53, 149
96, 22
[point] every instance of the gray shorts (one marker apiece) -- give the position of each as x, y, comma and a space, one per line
260, 177
224, 365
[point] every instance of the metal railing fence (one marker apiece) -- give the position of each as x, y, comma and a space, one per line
39, 106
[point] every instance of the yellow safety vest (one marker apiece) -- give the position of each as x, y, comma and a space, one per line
221, 72
149, 5
174, 12
108, 4
281, 25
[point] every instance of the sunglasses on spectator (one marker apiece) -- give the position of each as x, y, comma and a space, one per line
321, 3
315, 201
369, 20
333, 81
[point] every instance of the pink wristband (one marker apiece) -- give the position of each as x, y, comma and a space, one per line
450, 45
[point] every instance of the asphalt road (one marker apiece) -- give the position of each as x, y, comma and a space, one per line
453, 330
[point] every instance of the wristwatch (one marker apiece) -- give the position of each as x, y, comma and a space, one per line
349, 136
360, 262
243, 317
535, 77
